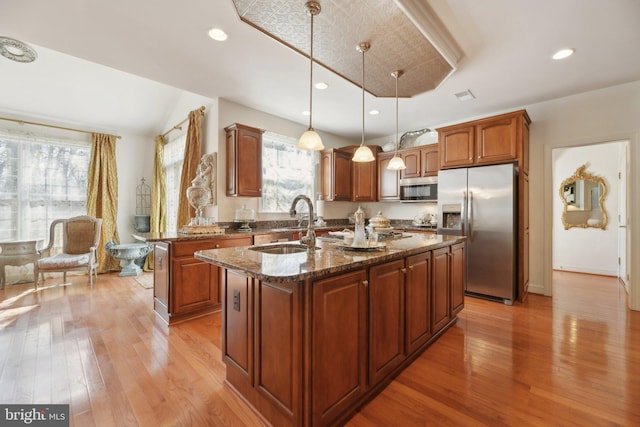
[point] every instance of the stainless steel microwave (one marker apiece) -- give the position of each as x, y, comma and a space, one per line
419, 189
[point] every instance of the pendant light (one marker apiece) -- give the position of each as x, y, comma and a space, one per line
310, 140
363, 153
396, 163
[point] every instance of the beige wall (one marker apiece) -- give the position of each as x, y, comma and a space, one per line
605, 115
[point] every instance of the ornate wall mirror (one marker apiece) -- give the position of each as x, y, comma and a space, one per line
583, 196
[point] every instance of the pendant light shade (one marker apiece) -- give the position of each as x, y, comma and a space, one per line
310, 140
396, 163
363, 153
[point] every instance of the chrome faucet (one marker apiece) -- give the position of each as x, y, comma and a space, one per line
310, 239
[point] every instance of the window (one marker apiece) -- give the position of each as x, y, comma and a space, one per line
286, 172
173, 159
41, 179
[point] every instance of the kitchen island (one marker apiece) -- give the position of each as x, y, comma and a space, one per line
309, 338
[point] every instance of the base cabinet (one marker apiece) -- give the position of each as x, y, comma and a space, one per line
418, 297
310, 353
339, 330
386, 319
457, 277
185, 287
440, 290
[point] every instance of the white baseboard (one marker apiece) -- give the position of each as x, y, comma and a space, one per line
587, 270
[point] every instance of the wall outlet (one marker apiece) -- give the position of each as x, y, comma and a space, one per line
236, 300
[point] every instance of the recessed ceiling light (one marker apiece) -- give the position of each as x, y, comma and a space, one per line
218, 34
563, 53
321, 85
16, 50
374, 112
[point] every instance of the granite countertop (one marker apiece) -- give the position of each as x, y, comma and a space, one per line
326, 260
229, 233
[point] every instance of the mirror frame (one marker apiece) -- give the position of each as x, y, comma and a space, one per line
581, 174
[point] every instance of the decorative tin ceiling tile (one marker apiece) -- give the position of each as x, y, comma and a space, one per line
396, 43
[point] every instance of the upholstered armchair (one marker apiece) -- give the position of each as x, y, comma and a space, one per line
80, 238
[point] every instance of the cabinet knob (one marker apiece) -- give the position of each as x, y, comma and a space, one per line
217, 245
404, 270
365, 283
411, 267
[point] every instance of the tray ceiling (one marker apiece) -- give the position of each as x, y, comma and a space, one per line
396, 43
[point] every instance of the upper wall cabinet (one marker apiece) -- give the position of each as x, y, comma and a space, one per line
335, 168
421, 161
364, 178
388, 180
244, 161
493, 140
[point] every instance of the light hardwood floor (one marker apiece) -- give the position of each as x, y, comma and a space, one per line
570, 360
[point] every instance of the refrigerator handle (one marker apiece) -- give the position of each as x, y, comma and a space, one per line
470, 215
463, 219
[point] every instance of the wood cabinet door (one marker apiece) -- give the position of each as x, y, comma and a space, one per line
194, 285
278, 346
339, 334
364, 180
430, 160
388, 180
326, 174
456, 146
342, 175
440, 289
457, 278
418, 301
386, 319
249, 163
244, 161
412, 159
335, 170
496, 140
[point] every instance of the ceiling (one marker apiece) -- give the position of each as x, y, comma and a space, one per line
119, 65
392, 41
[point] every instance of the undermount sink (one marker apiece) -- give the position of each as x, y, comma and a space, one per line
281, 249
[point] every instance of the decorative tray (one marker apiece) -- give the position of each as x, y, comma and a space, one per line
376, 247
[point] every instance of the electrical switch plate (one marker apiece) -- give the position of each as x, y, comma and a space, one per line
236, 300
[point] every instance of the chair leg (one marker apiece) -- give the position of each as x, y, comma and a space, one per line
64, 276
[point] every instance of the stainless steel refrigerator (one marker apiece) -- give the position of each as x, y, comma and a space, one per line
481, 203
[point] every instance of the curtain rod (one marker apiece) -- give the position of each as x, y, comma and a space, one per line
24, 122
178, 126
